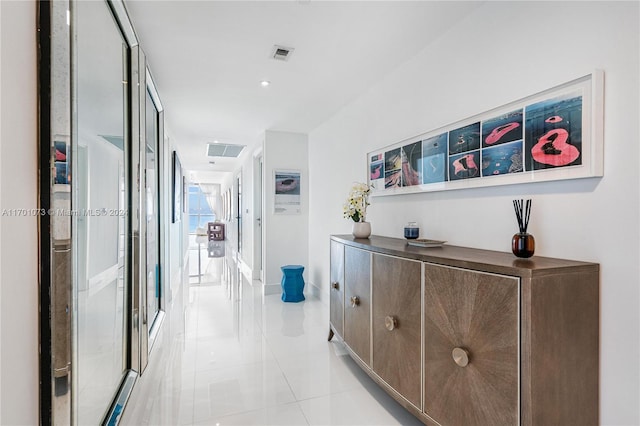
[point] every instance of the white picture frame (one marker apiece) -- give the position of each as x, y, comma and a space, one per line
287, 191
556, 134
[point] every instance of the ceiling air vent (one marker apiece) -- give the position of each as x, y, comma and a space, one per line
281, 53
224, 150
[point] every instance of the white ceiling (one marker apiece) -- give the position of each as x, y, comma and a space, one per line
209, 57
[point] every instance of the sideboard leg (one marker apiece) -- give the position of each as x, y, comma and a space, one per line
330, 334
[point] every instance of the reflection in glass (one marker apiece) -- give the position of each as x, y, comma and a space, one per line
100, 65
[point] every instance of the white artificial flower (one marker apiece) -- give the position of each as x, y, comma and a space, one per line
356, 206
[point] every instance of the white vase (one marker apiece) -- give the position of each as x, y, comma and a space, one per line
361, 229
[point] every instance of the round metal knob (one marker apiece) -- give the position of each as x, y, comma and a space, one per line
335, 285
391, 323
460, 356
355, 301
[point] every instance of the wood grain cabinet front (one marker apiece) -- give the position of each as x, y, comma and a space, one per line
357, 311
462, 336
396, 324
471, 347
336, 289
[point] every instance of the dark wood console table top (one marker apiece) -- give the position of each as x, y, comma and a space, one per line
465, 257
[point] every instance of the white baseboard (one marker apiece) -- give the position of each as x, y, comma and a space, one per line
314, 291
268, 289
256, 275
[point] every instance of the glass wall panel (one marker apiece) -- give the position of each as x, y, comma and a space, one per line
99, 201
153, 208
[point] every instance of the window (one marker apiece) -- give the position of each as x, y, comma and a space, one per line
200, 208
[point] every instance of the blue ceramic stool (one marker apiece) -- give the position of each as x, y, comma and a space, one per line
292, 283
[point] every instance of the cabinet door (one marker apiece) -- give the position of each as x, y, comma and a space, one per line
471, 347
357, 311
397, 324
336, 291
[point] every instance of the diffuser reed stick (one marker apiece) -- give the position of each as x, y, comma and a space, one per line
523, 212
523, 244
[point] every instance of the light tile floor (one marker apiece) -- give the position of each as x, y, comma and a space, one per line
227, 355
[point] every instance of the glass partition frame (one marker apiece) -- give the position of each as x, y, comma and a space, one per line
152, 321
58, 303
55, 265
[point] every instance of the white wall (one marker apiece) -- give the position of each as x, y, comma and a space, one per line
286, 235
245, 171
178, 233
501, 53
231, 234
248, 216
19, 189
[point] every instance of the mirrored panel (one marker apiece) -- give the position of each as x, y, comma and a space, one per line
153, 287
100, 64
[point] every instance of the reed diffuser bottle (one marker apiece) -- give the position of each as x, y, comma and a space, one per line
523, 244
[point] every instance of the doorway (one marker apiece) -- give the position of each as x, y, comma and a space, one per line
258, 227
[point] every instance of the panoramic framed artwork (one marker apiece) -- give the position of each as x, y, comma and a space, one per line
177, 189
553, 135
286, 192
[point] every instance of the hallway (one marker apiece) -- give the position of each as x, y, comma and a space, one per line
229, 356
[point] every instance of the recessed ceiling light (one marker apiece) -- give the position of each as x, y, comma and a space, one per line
265, 83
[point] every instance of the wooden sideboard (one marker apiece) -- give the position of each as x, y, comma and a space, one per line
462, 336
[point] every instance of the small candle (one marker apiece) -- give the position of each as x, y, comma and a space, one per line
411, 231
